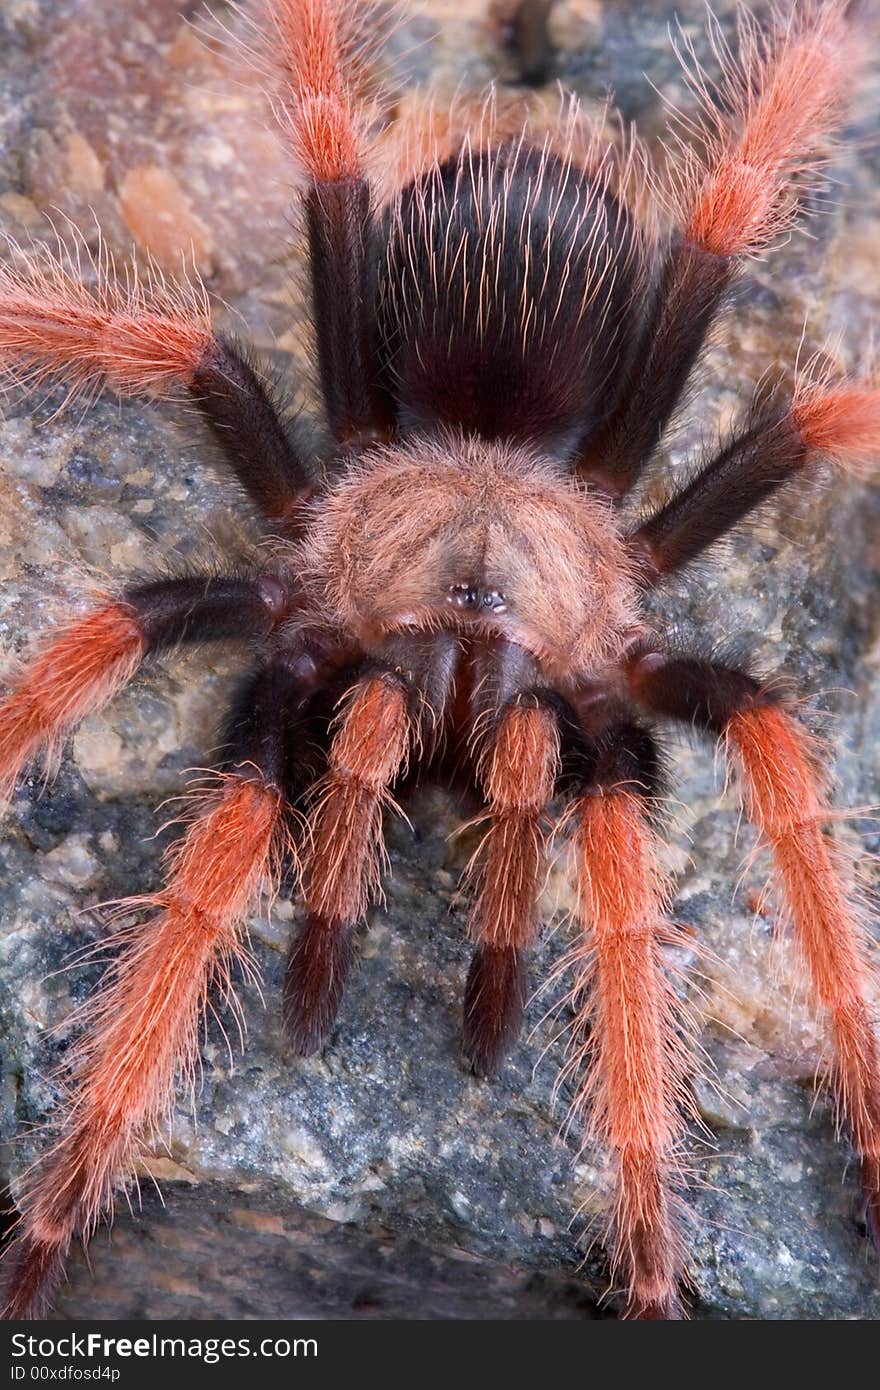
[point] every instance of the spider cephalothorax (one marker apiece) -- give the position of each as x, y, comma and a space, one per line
445, 534
502, 335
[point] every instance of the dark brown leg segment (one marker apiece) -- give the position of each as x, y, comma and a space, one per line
841, 422
693, 285
782, 97
248, 431
341, 251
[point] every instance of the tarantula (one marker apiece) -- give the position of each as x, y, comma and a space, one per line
502, 336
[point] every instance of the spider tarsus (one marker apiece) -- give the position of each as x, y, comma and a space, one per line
656, 1310
494, 1003
317, 968
33, 1271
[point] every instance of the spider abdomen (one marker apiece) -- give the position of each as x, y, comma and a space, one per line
505, 295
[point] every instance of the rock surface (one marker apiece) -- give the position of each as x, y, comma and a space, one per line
380, 1180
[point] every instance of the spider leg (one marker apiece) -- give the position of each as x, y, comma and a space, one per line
147, 340
626, 1057
251, 438
316, 49
782, 791
143, 1036
842, 422
625, 1054
345, 845
778, 104
84, 664
392, 709
518, 771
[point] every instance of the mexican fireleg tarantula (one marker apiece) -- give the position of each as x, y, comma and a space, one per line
502, 338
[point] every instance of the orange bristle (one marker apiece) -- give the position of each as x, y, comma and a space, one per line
346, 852
518, 771
345, 842
781, 100
842, 423
314, 42
784, 798
136, 337
507, 868
143, 1038
81, 668
626, 1057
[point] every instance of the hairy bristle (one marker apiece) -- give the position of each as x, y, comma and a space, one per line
784, 798
344, 864
768, 119
520, 769
81, 667
320, 46
139, 336
627, 1062
428, 130
841, 422
143, 1031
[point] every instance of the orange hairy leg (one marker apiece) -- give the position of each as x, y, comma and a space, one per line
783, 794
320, 46
780, 102
345, 851
626, 1060
85, 663
316, 50
137, 338
149, 338
144, 1036
77, 674
777, 106
518, 775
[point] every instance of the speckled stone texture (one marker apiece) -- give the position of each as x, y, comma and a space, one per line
380, 1180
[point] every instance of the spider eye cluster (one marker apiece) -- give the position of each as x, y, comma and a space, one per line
474, 597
